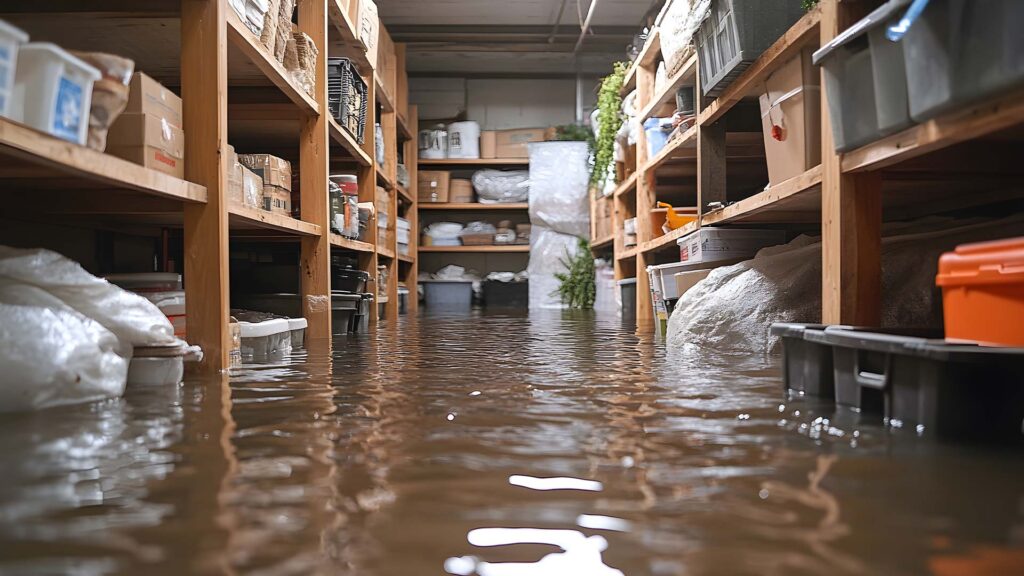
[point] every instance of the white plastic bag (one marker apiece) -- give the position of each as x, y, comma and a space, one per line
559, 184
549, 252
133, 319
55, 356
501, 186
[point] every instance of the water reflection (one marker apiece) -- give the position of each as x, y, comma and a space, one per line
497, 444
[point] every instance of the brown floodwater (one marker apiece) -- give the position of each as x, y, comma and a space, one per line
492, 445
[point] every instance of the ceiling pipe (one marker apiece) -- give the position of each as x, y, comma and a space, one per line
558, 22
586, 26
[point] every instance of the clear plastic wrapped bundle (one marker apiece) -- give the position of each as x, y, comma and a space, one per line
559, 184
500, 186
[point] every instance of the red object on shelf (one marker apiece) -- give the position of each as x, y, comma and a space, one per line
983, 292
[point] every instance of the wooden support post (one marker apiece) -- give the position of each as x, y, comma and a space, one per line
368, 189
314, 157
413, 213
204, 90
389, 126
711, 165
851, 218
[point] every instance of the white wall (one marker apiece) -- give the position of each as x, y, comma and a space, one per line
500, 104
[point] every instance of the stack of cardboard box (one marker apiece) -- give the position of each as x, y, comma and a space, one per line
149, 132
276, 175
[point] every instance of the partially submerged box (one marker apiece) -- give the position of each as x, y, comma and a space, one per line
147, 96
150, 141
513, 143
432, 185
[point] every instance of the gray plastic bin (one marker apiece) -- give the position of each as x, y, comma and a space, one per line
448, 294
957, 390
866, 80
961, 51
806, 365
344, 307
627, 289
736, 33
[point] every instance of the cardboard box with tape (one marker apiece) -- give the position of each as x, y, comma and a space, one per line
432, 185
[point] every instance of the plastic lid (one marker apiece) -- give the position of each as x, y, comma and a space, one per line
19, 34
59, 52
348, 178
297, 324
626, 281
998, 262
879, 16
794, 329
154, 277
262, 329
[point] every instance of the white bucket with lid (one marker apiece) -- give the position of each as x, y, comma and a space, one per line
53, 91
11, 39
433, 144
464, 140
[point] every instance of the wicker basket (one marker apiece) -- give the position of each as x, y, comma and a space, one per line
477, 239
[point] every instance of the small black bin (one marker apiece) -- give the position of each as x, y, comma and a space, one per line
953, 390
506, 294
806, 365
349, 280
344, 307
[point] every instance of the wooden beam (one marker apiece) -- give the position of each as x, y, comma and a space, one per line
413, 215
851, 218
204, 90
314, 150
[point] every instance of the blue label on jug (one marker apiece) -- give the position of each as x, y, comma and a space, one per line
67, 111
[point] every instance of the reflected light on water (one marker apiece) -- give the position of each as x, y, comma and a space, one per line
580, 555
560, 483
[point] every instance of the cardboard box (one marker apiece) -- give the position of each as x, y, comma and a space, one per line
513, 143
277, 200
147, 96
150, 141
460, 190
686, 280
273, 170
365, 18
433, 185
791, 101
489, 144
722, 244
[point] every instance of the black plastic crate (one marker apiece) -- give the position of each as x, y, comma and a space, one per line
506, 294
346, 96
806, 365
952, 390
349, 280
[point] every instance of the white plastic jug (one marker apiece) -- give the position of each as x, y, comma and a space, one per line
11, 39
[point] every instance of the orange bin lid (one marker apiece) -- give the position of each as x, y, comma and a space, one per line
997, 262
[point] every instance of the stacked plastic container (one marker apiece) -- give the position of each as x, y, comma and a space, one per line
53, 91
11, 39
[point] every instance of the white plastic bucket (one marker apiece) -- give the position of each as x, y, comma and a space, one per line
433, 144
53, 91
11, 39
464, 140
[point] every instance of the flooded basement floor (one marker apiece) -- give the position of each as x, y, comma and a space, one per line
497, 446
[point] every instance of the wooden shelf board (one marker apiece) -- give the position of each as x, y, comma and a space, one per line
244, 217
382, 95
383, 180
341, 137
628, 253
345, 29
627, 185
647, 57
686, 76
666, 241
240, 37
600, 243
473, 206
475, 162
339, 241
404, 194
794, 201
385, 252
51, 159
404, 133
803, 33
952, 128
514, 248
407, 258
682, 147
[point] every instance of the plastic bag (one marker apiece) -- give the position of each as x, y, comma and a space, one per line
53, 357
109, 94
501, 186
549, 252
134, 320
559, 184
681, 20
478, 228
444, 230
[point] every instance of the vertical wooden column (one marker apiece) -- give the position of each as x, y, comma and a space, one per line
368, 188
711, 156
851, 217
314, 157
413, 212
204, 91
645, 198
389, 126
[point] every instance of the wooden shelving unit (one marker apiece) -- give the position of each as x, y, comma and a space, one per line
506, 249
203, 51
473, 206
961, 159
475, 162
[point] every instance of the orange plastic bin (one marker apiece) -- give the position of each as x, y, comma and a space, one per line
983, 292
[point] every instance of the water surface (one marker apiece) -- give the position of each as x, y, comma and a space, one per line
493, 445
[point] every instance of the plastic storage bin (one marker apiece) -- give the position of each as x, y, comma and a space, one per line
53, 91
403, 300
344, 307
723, 244
448, 294
346, 96
983, 292
627, 292
866, 80
360, 322
264, 340
11, 39
955, 390
348, 280
499, 294
464, 140
736, 33
961, 51
806, 365
297, 327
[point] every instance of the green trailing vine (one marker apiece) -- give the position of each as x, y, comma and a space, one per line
578, 288
609, 119
808, 4
575, 133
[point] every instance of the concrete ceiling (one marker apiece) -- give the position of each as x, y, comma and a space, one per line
508, 38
